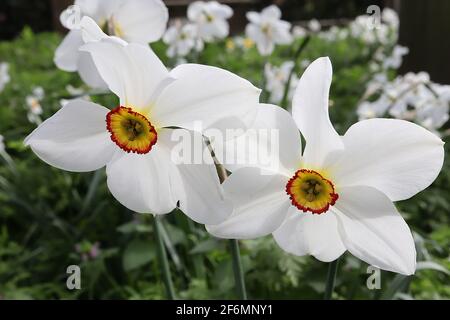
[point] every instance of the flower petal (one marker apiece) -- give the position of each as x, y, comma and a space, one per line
133, 72
207, 97
310, 234
396, 157
260, 205
75, 138
88, 72
195, 183
373, 230
273, 143
66, 55
142, 183
310, 111
141, 21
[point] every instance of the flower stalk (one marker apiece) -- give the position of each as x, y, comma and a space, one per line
331, 277
162, 255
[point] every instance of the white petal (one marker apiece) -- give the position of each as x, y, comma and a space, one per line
397, 157
260, 205
273, 143
271, 12
66, 55
75, 138
195, 184
310, 111
304, 233
142, 183
133, 72
90, 31
374, 231
207, 97
253, 17
88, 72
141, 21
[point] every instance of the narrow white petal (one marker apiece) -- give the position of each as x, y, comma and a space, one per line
66, 55
75, 138
133, 72
141, 21
304, 233
260, 205
310, 111
374, 231
397, 157
202, 97
142, 183
195, 184
88, 72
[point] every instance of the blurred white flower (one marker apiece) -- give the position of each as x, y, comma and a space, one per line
337, 194
141, 21
4, 75
33, 101
267, 29
137, 140
410, 97
181, 39
276, 81
299, 32
390, 17
394, 61
314, 25
210, 19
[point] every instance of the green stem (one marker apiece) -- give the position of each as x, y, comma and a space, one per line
93, 186
237, 270
162, 255
331, 277
297, 54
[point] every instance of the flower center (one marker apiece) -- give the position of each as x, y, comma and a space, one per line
130, 130
310, 191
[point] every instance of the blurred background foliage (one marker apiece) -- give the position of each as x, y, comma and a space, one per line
50, 219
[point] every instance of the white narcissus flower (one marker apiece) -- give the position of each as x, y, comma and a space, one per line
181, 39
267, 29
4, 75
34, 105
277, 78
210, 19
135, 139
338, 194
140, 21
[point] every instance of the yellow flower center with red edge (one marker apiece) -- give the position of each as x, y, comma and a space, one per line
130, 130
310, 191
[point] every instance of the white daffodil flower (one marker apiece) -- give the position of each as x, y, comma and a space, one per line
267, 29
4, 75
135, 140
338, 194
34, 105
210, 19
140, 21
182, 39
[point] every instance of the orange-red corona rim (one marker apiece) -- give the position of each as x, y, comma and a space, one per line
130, 130
310, 191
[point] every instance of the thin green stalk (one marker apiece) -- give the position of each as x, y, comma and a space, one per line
93, 186
331, 277
234, 247
162, 255
297, 54
237, 270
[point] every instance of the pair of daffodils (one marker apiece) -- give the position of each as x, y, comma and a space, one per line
334, 196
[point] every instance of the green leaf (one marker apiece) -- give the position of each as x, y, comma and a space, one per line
137, 254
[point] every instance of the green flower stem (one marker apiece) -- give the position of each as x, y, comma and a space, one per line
297, 54
234, 247
162, 255
237, 270
331, 277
